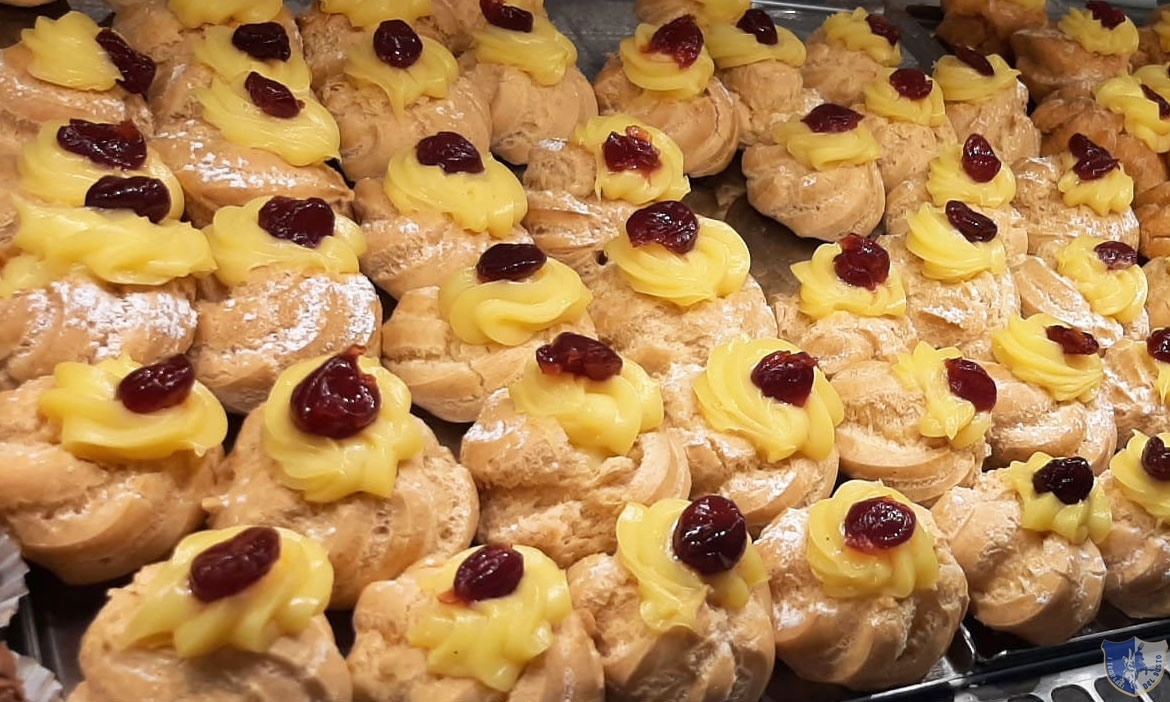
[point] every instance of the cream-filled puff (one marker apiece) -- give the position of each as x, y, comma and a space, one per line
988, 25
1137, 383
848, 51
904, 110
681, 611
127, 451
1026, 536
865, 590
1153, 40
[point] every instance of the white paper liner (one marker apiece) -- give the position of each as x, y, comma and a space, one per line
40, 685
12, 572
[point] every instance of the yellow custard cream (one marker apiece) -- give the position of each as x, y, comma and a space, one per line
216, 51
947, 415
961, 83
732, 403
822, 292
96, 426
371, 13
1162, 371
851, 31
1118, 294
667, 182
1025, 349
846, 572
491, 640
1123, 95
672, 593
193, 14
491, 201
65, 52
716, 267
1111, 194
712, 11
1136, 483
281, 603
820, 152
308, 139
1162, 31
1080, 26
948, 181
510, 312
544, 53
731, 47
430, 76
1090, 518
327, 470
1155, 76
947, 255
883, 99
606, 416
658, 72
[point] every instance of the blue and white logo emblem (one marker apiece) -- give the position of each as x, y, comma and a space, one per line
1134, 666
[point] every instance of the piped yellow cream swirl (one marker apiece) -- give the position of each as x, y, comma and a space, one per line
193, 14
716, 11
851, 31
1111, 194
1123, 95
1136, 483
731, 47
1080, 26
1090, 518
667, 182
948, 181
820, 152
822, 292
961, 83
947, 415
1162, 374
945, 253
658, 72
430, 76
65, 52
1025, 349
1120, 294
883, 99
371, 13
216, 51
544, 53
1155, 76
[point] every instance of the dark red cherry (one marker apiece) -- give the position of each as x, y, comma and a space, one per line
881, 27
670, 224
110, 145
491, 572
580, 356
680, 39
979, 160
137, 69
508, 17
265, 41
1108, 15
1158, 344
303, 222
1093, 161
975, 227
862, 263
632, 151
145, 197
1156, 459
1073, 342
1070, 479
785, 377
337, 400
967, 380
273, 98
157, 387
911, 83
711, 535
513, 262
230, 567
1116, 255
397, 44
977, 61
450, 151
831, 119
757, 23
878, 524
1157, 99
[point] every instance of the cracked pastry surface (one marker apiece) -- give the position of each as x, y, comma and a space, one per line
995, 106
1134, 384
845, 54
1152, 209
987, 25
907, 148
1157, 272
1049, 59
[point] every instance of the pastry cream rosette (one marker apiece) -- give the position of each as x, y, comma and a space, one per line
946, 254
731, 403
65, 52
820, 152
328, 470
846, 572
491, 640
1123, 95
281, 603
850, 30
1136, 483
1119, 294
1088, 519
193, 14
371, 13
961, 83
881, 98
671, 593
716, 267
310, 138
543, 53
240, 245
1080, 26
96, 426
822, 292
1025, 349
491, 201
732, 47
216, 51
947, 415
431, 75
1112, 194
658, 72
1155, 76
666, 182
948, 181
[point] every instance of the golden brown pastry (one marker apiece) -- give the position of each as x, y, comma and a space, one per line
1157, 272
707, 12
1026, 536
849, 51
904, 110
1153, 40
1137, 383
127, 451
1152, 209
988, 25
855, 607
682, 610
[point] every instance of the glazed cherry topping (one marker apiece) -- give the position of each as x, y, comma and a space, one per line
1156, 459
881, 27
979, 160
831, 119
878, 524
231, 566
157, 387
757, 23
975, 227
303, 222
397, 44
1158, 344
632, 151
337, 400
911, 83
265, 41
1093, 161
1108, 15
680, 39
711, 535
862, 263
137, 69
1116, 255
509, 17
509, 262
1157, 99
1073, 342
492, 571
974, 59
579, 356
145, 197
450, 151
669, 223
110, 145
273, 98
968, 381
785, 377
1070, 479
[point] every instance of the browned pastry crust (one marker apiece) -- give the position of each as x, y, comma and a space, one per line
907, 148
1152, 209
842, 338
728, 656
907, 197
767, 93
90, 522
987, 25
837, 73
1001, 118
1048, 60
1158, 301
1137, 556
1130, 376
1149, 45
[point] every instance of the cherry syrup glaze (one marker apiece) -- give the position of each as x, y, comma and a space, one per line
303, 222
967, 380
145, 197
508, 17
832, 119
1070, 479
491, 572
110, 145
881, 27
977, 61
975, 227
1116, 255
397, 44
230, 567
878, 524
1156, 459
862, 263
711, 535
680, 39
580, 356
450, 151
1158, 344
979, 160
911, 83
1108, 15
669, 223
264, 41
337, 400
1157, 99
157, 387
137, 69
513, 262
632, 151
785, 377
757, 23
1093, 161
274, 99
1073, 342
